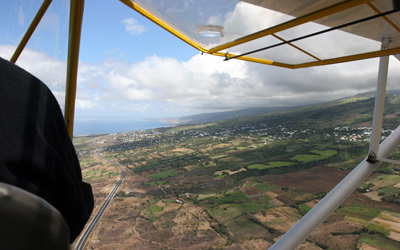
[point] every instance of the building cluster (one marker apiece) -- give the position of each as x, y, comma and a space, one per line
138, 139
356, 134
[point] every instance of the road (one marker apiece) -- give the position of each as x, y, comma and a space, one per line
97, 217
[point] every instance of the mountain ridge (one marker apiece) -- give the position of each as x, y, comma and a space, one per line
223, 115
256, 111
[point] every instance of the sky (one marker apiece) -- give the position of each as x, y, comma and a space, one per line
130, 67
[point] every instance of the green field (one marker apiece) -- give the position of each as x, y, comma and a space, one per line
265, 188
317, 156
273, 164
251, 207
87, 160
305, 207
163, 174
98, 173
359, 211
379, 241
153, 184
155, 209
226, 212
378, 227
325, 153
203, 196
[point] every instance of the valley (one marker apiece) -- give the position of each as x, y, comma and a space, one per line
242, 183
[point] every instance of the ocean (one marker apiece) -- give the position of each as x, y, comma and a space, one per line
95, 125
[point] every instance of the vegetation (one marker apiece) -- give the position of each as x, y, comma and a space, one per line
273, 164
360, 211
316, 156
163, 174
379, 241
252, 177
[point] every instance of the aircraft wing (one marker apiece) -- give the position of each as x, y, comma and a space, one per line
292, 33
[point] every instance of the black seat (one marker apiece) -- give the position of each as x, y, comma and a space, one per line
29, 222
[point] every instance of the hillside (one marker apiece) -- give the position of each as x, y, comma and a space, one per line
355, 111
241, 183
221, 116
361, 102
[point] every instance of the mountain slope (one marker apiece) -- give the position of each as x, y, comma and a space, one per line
220, 116
354, 111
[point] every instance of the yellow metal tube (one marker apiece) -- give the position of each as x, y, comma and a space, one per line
290, 24
75, 27
256, 60
162, 24
363, 56
343, 59
42, 10
384, 17
296, 47
265, 61
173, 31
271, 31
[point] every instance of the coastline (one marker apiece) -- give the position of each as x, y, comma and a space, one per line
85, 126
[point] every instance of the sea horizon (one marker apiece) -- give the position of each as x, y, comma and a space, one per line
101, 125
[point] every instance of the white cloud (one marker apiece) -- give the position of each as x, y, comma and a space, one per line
86, 104
60, 96
203, 83
248, 18
133, 27
21, 16
52, 72
48, 69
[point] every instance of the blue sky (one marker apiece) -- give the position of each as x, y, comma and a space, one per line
106, 29
130, 67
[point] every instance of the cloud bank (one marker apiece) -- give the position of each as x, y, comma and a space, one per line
164, 86
168, 87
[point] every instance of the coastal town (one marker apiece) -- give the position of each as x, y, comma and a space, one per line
144, 138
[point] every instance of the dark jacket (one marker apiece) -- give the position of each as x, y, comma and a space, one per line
36, 153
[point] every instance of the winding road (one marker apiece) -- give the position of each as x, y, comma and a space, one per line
97, 217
